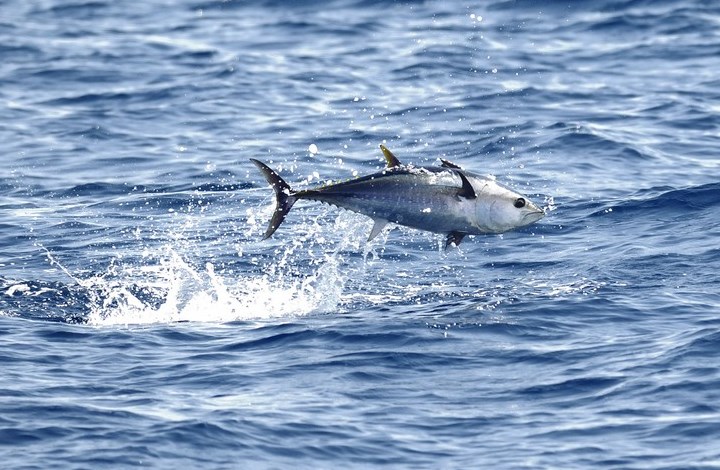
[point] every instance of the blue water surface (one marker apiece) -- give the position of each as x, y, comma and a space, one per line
144, 323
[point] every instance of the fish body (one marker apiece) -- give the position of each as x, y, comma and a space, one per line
445, 199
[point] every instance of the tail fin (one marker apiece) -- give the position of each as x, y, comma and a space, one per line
284, 197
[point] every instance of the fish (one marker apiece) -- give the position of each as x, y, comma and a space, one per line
446, 199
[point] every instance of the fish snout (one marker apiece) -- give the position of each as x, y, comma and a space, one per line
534, 214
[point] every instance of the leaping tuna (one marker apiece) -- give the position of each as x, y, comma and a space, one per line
445, 199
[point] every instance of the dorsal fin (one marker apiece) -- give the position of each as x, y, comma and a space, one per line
449, 164
391, 159
467, 191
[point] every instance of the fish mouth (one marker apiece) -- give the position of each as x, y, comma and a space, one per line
533, 216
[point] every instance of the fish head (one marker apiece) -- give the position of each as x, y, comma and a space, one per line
499, 209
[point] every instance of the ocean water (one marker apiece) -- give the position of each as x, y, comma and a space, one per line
144, 323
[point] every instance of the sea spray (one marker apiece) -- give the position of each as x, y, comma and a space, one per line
169, 284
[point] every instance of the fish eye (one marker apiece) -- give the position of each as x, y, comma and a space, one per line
519, 203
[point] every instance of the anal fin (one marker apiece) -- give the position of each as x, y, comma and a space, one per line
454, 238
377, 228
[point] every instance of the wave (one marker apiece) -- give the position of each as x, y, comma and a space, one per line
667, 201
594, 142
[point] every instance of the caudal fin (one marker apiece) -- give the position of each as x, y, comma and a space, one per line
284, 196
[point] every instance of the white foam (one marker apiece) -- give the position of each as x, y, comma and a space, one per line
175, 291
169, 285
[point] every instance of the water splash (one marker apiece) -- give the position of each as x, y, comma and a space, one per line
173, 290
168, 285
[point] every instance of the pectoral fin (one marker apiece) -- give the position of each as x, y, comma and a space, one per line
467, 191
391, 159
454, 238
377, 228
